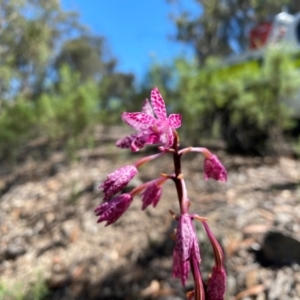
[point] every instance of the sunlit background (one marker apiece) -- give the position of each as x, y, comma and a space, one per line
69, 68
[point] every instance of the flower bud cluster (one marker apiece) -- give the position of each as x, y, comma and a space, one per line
153, 127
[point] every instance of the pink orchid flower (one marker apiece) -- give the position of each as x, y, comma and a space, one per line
151, 195
111, 211
150, 130
117, 181
186, 248
213, 168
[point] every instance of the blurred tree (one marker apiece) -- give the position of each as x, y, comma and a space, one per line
88, 55
117, 91
223, 26
38, 38
250, 106
30, 32
56, 77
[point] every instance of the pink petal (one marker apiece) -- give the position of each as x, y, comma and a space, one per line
186, 249
152, 139
125, 143
138, 143
151, 195
139, 121
101, 208
175, 120
216, 286
147, 108
170, 138
117, 181
218, 252
158, 104
180, 268
111, 211
184, 237
213, 168
196, 250
143, 138
167, 137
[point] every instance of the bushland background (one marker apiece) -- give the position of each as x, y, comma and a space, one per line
61, 96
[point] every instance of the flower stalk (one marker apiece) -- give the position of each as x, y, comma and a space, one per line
153, 127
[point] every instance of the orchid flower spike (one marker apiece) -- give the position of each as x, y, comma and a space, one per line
154, 127
150, 130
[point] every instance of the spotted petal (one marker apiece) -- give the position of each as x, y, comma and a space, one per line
175, 120
180, 268
139, 121
125, 143
117, 180
213, 168
184, 237
142, 138
186, 247
139, 142
147, 108
216, 286
158, 104
151, 195
111, 211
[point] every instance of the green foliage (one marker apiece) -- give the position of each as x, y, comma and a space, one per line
30, 38
57, 79
86, 55
16, 122
68, 109
66, 114
252, 98
36, 291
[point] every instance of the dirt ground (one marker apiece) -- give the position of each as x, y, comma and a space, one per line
49, 236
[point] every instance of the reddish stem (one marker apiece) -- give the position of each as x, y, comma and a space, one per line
199, 289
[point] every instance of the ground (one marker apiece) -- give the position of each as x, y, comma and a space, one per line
52, 248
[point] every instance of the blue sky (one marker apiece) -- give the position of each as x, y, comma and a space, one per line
136, 30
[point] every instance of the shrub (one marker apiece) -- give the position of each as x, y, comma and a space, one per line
247, 101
